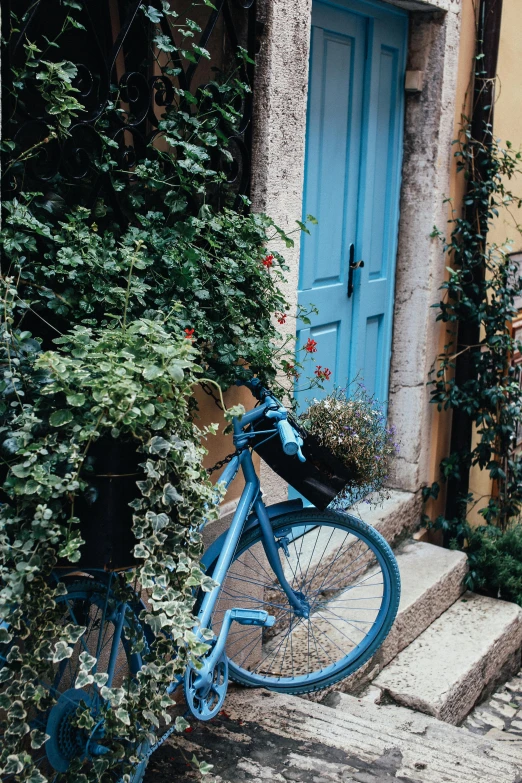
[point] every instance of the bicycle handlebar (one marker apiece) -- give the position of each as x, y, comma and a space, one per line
291, 440
288, 437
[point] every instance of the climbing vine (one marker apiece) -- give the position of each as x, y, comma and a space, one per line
483, 283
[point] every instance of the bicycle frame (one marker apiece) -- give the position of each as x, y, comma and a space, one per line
250, 498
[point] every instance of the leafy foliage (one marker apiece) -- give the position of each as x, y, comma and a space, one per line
480, 291
134, 384
210, 270
112, 311
495, 561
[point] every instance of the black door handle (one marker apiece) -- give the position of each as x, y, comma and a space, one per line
351, 267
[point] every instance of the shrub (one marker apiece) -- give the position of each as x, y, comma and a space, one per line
495, 560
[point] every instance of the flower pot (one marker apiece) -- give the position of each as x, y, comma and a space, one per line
319, 479
111, 469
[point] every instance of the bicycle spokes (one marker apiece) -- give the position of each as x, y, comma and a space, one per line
338, 577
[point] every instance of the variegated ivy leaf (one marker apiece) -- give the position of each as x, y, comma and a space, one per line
123, 716
87, 661
72, 633
5, 635
37, 777
14, 765
150, 717
171, 495
102, 677
16, 711
181, 724
114, 695
159, 445
38, 738
61, 651
208, 584
83, 679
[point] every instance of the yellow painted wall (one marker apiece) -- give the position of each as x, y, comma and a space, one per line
441, 422
508, 109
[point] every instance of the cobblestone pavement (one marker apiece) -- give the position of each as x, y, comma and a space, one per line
500, 717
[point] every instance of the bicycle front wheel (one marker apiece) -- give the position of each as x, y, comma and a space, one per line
347, 576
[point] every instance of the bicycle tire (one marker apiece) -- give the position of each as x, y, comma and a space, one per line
368, 544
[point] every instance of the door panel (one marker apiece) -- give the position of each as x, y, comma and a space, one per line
352, 180
331, 179
379, 207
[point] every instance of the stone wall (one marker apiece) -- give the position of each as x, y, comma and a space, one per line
278, 165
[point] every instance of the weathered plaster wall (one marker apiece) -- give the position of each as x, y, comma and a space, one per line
429, 131
278, 142
440, 427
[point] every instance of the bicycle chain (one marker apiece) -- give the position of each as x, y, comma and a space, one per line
208, 390
222, 462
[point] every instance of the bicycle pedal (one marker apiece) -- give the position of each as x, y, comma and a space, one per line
252, 617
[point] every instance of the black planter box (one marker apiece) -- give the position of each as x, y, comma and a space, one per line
103, 509
319, 479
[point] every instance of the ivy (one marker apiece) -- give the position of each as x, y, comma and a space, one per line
483, 283
112, 312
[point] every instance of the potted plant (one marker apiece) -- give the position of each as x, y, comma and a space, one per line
347, 445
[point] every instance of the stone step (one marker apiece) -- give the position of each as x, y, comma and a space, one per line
500, 716
432, 579
264, 736
458, 660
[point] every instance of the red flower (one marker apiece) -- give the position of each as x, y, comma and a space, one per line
268, 261
189, 334
281, 318
291, 371
311, 346
323, 375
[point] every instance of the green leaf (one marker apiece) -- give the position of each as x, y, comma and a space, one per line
171, 495
61, 652
152, 13
176, 373
123, 716
181, 724
77, 400
151, 372
60, 418
21, 471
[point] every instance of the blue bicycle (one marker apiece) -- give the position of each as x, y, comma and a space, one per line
303, 598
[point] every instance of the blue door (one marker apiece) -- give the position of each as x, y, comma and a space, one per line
352, 183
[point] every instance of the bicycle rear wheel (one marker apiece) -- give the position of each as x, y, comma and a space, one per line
348, 576
72, 745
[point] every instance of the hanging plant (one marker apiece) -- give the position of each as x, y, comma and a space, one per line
353, 429
113, 309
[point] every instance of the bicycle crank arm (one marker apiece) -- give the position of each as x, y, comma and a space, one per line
243, 617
